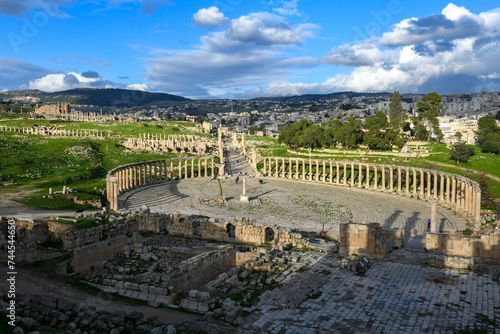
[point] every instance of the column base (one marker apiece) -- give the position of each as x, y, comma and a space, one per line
244, 198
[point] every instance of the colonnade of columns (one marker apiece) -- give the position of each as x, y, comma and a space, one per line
457, 192
139, 174
43, 131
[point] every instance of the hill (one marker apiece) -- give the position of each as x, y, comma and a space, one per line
316, 97
110, 97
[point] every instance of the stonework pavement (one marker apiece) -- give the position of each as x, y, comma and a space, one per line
390, 298
292, 204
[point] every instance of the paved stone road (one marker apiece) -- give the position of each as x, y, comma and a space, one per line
390, 298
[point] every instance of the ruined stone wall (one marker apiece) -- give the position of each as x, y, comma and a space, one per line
485, 246
58, 229
365, 239
61, 109
203, 268
29, 231
78, 238
457, 262
89, 258
234, 230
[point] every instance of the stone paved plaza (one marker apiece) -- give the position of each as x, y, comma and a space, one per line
293, 204
392, 297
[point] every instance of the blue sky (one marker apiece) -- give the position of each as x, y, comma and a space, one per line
244, 49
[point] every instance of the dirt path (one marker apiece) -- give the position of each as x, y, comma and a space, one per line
30, 280
496, 178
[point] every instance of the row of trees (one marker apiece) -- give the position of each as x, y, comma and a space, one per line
376, 133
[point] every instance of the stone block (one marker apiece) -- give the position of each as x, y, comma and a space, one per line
203, 295
193, 293
227, 304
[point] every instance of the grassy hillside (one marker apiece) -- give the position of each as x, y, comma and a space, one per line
32, 164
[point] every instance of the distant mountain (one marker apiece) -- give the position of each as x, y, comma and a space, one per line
110, 97
316, 97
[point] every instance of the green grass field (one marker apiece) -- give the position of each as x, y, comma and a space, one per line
33, 164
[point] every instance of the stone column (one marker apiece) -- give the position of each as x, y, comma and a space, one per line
434, 227
303, 169
290, 168
213, 167
244, 197
375, 176
447, 191
422, 183
264, 166
180, 169
199, 167
192, 168
391, 179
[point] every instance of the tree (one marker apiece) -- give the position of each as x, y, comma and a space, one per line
200, 119
429, 109
458, 135
329, 129
461, 152
488, 134
395, 107
376, 137
349, 134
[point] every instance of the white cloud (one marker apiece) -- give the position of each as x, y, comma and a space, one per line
453, 22
209, 17
141, 87
248, 51
358, 55
288, 8
64, 81
267, 28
